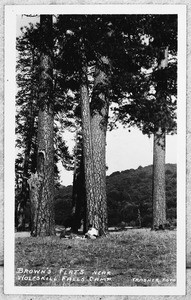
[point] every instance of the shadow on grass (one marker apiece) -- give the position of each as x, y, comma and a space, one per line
137, 257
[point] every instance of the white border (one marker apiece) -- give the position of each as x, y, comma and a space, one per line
10, 88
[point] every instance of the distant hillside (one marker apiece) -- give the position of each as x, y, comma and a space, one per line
129, 195
130, 192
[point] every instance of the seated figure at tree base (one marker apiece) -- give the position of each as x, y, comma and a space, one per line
92, 233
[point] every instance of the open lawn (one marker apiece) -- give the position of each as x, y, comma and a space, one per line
136, 257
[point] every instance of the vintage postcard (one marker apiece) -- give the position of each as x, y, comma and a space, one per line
95, 145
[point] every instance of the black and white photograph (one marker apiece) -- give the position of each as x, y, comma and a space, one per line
95, 129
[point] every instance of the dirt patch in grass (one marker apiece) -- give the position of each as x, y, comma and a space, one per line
139, 257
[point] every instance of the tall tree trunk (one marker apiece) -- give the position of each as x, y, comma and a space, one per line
87, 140
42, 183
99, 120
24, 194
75, 213
159, 195
78, 193
79, 198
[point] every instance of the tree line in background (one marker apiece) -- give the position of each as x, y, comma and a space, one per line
129, 199
70, 74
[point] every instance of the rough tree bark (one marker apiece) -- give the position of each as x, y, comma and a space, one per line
78, 192
159, 195
79, 198
42, 183
87, 140
99, 120
24, 194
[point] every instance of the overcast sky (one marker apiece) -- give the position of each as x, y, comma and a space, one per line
125, 150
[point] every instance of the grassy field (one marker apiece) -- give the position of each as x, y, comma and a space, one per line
136, 257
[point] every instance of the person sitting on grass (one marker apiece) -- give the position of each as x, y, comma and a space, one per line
92, 233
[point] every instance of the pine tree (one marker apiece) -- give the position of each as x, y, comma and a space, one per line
87, 140
122, 40
42, 182
103, 41
26, 125
159, 195
78, 192
150, 103
99, 120
28, 47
